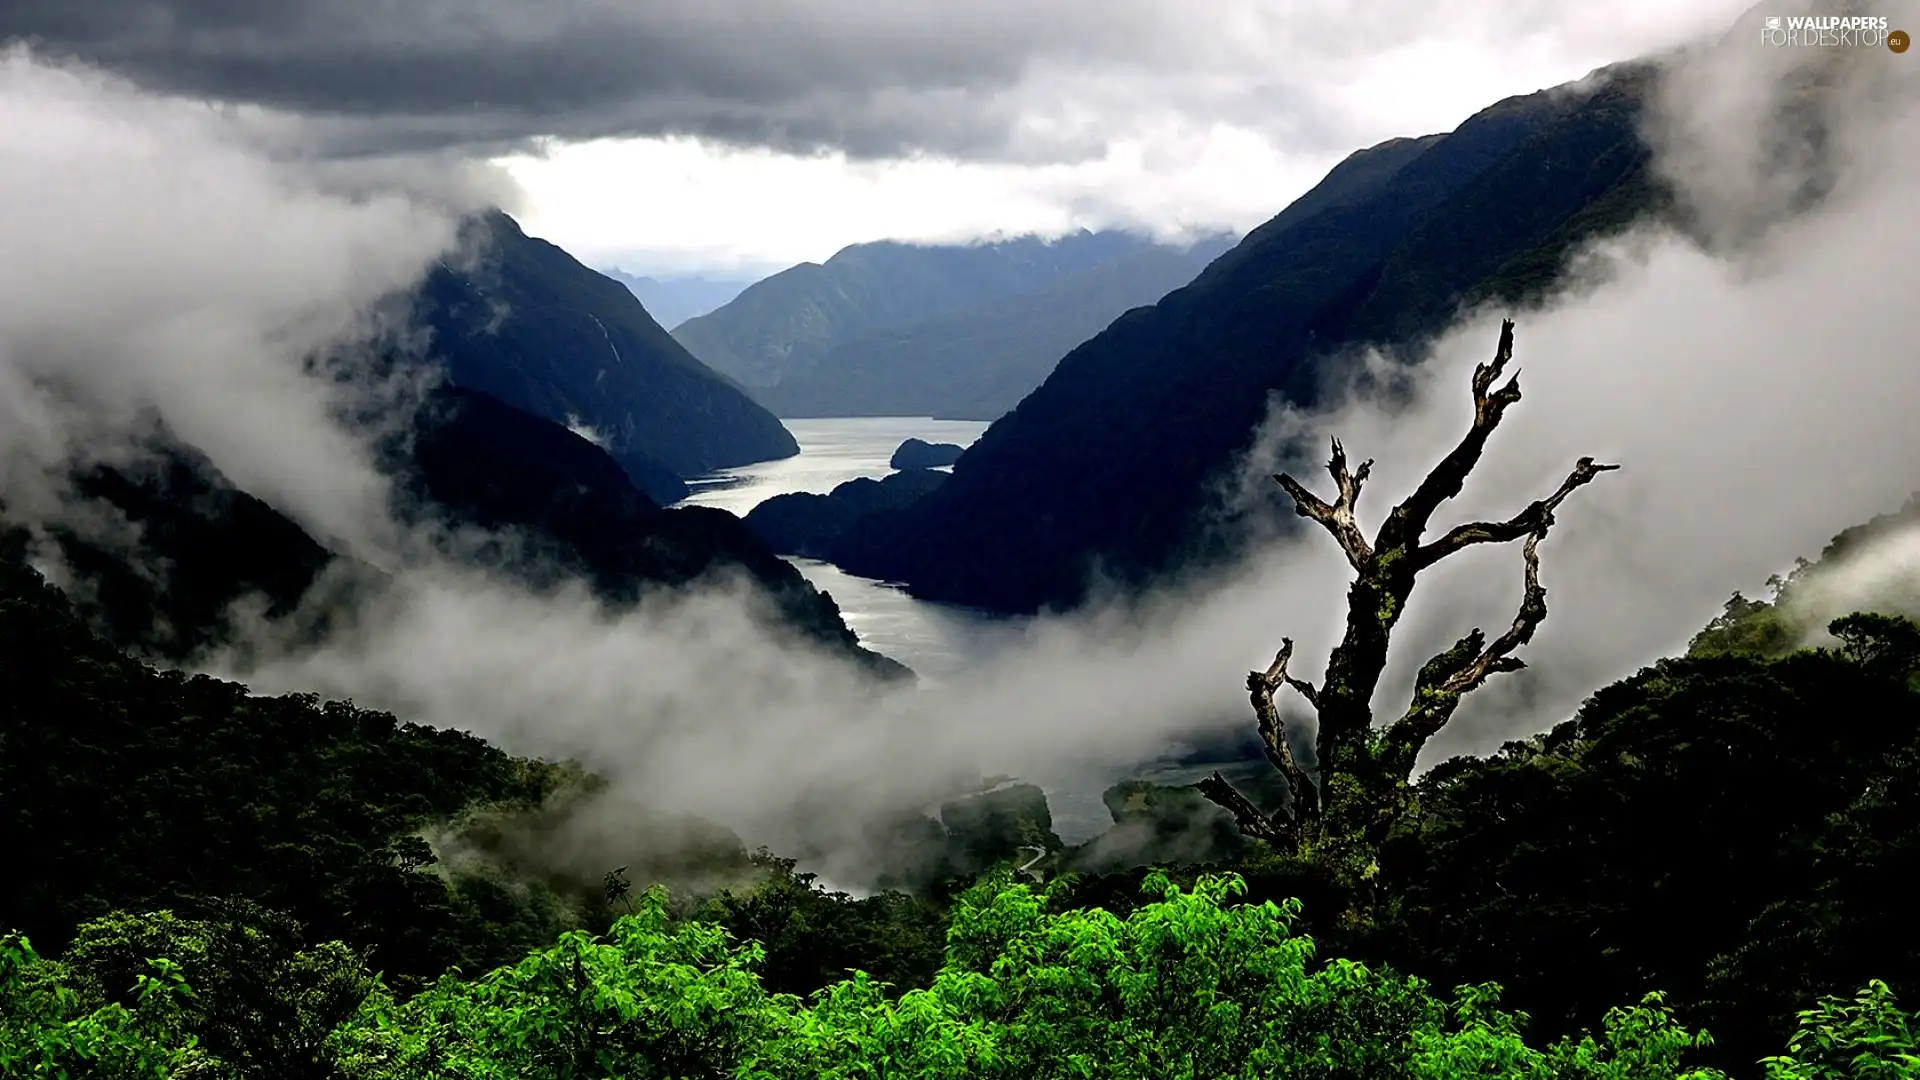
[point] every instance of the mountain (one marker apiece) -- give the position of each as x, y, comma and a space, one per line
807, 524
563, 507
202, 547
190, 547
976, 364
673, 300
780, 328
528, 324
1111, 461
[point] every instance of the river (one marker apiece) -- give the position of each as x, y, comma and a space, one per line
938, 641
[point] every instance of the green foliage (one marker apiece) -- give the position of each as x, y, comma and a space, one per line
47, 1031
1745, 628
263, 1005
1188, 986
1805, 599
1730, 829
1881, 644
126, 788
652, 999
1639, 1042
812, 938
1867, 1038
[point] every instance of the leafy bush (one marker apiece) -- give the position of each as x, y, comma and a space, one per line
1187, 987
1867, 1038
262, 1004
45, 1030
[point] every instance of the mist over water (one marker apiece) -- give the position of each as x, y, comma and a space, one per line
943, 643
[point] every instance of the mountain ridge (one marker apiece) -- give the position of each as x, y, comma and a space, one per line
1110, 463
781, 326
674, 298
197, 555
525, 322
978, 362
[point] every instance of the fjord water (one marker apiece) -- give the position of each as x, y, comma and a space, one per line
936, 640
832, 452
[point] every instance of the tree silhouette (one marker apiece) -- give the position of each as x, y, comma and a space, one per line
1363, 771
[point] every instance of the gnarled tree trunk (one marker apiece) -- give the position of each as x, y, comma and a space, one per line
1364, 770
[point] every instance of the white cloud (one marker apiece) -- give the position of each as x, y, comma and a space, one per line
155, 259
1185, 136
1756, 406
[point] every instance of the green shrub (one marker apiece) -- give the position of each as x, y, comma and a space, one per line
1187, 987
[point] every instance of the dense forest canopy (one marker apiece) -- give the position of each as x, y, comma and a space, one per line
1727, 829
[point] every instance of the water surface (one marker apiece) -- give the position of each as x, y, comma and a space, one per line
832, 452
938, 641
935, 640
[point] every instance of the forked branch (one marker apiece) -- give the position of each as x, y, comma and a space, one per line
1338, 515
1536, 519
1448, 677
1261, 687
1408, 520
1251, 821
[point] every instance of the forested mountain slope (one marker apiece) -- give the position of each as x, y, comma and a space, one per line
527, 323
1111, 462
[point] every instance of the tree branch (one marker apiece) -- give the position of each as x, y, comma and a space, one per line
1408, 520
1247, 816
1338, 515
1536, 518
1261, 686
1448, 677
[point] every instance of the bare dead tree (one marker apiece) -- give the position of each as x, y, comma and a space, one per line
1364, 771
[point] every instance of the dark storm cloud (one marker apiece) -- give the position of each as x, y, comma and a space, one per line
1008, 80
868, 77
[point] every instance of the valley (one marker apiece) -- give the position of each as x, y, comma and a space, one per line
1031, 561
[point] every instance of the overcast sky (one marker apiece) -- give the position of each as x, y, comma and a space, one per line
750, 134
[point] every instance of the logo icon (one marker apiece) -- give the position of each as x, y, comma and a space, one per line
1899, 40
1773, 22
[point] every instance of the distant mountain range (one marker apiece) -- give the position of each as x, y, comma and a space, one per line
925, 328
674, 299
528, 324
1111, 461
978, 362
